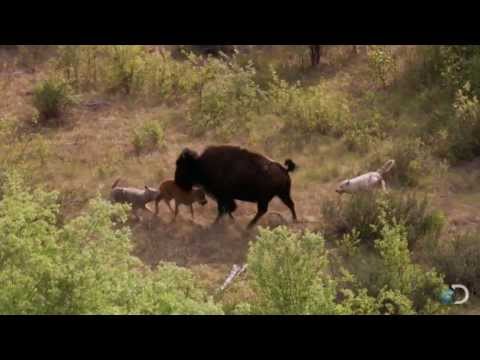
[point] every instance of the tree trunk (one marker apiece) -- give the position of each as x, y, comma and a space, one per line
315, 53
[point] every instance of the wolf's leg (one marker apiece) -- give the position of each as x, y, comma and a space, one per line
157, 200
147, 209
191, 211
135, 213
384, 186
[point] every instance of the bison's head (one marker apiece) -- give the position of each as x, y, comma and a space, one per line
186, 170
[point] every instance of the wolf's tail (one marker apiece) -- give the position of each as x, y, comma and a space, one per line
115, 183
290, 165
386, 167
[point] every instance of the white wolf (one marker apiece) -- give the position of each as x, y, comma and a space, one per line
366, 182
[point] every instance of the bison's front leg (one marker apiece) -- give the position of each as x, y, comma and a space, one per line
225, 207
222, 210
262, 208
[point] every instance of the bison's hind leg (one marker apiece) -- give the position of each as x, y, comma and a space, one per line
287, 200
232, 206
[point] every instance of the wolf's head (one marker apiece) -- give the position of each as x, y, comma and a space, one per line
343, 187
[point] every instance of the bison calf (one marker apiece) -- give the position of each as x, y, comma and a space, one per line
229, 173
169, 190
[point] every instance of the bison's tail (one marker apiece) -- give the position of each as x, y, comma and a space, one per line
115, 183
290, 165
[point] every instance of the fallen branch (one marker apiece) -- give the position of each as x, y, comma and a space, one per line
236, 271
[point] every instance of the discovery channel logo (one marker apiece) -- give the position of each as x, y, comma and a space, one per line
449, 296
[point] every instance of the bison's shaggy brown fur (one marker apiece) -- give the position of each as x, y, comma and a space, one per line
229, 173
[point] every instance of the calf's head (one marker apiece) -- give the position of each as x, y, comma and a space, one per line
186, 169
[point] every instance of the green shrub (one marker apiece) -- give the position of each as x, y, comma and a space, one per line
308, 111
80, 64
291, 273
411, 161
464, 132
414, 289
228, 99
425, 69
414, 162
148, 137
361, 213
459, 259
83, 266
124, 70
51, 97
382, 64
460, 64
168, 79
349, 243
362, 136
287, 271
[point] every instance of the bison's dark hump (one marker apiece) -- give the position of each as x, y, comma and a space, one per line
233, 150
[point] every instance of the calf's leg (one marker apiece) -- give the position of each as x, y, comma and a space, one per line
168, 204
176, 212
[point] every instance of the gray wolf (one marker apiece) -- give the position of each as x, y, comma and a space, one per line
366, 182
137, 198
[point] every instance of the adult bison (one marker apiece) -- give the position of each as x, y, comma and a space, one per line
229, 173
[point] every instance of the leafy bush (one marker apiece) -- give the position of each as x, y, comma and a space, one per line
227, 99
287, 271
124, 70
362, 213
459, 259
460, 64
414, 162
290, 274
168, 79
308, 111
464, 133
362, 136
50, 98
147, 137
349, 243
84, 266
114, 68
414, 290
382, 64
79, 65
